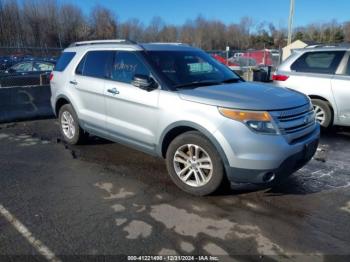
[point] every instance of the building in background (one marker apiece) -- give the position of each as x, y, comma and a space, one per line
287, 50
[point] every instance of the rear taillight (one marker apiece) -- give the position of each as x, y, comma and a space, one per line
51, 76
279, 77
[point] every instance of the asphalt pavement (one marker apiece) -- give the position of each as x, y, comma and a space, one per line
60, 202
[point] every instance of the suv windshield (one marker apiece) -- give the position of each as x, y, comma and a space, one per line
190, 68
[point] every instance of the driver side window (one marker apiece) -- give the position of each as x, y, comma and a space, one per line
126, 65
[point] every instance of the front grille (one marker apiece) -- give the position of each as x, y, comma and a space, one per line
296, 122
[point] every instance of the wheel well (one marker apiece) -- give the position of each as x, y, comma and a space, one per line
170, 136
323, 99
60, 102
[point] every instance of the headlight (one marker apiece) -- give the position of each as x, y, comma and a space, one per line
257, 121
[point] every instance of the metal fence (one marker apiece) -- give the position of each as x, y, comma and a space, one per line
30, 51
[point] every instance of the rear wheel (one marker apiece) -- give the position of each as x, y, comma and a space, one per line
323, 112
194, 164
69, 126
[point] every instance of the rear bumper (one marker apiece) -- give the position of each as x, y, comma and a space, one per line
289, 165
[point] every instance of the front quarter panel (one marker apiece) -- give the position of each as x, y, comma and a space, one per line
175, 112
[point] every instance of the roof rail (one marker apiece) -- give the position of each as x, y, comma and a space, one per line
322, 46
111, 41
330, 45
166, 43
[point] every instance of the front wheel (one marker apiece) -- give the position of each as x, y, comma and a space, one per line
194, 164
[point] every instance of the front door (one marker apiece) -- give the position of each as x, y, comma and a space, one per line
132, 113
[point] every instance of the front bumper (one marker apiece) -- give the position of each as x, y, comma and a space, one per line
291, 160
288, 167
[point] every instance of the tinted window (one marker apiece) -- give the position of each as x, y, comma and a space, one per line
80, 67
95, 64
126, 65
23, 67
38, 66
318, 62
64, 60
348, 68
183, 67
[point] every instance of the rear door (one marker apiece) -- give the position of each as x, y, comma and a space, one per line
132, 113
89, 83
341, 92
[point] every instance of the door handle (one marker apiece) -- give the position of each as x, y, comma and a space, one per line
113, 91
73, 82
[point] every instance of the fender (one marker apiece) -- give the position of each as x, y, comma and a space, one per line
71, 101
198, 127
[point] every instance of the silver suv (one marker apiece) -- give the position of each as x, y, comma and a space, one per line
176, 102
323, 74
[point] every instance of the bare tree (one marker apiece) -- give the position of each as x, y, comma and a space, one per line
169, 33
187, 33
151, 33
103, 23
346, 29
72, 25
49, 23
246, 25
10, 24
132, 29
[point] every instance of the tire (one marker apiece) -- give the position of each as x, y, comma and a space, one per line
68, 120
323, 113
205, 173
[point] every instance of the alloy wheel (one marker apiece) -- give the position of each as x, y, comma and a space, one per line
68, 125
193, 165
320, 114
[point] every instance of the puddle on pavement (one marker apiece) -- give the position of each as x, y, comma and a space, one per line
24, 139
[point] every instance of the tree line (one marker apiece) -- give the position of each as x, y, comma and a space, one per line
45, 23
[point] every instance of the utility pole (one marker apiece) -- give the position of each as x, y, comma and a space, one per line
290, 22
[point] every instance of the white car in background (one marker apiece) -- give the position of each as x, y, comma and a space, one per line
322, 73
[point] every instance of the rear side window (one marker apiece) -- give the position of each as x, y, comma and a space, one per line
325, 62
95, 64
63, 61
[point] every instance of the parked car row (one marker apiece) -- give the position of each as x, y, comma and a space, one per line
30, 71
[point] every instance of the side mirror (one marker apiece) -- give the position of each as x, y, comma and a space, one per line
10, 71
144, 82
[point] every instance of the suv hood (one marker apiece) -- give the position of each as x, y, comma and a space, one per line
246, 96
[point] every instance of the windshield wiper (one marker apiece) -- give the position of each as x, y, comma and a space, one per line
198, 84
230, 80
